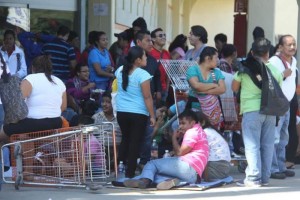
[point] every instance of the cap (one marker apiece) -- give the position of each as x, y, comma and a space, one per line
140, 22
124, 35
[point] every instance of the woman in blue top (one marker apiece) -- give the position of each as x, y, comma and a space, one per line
134, 104
201, 80
99, 62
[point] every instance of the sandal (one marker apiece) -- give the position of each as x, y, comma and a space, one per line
290, 165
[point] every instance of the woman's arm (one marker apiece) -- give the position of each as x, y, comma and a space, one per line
100, 72
26, 88
148, 100
218, 90
235, 86
179, 150
64, 102
201, 87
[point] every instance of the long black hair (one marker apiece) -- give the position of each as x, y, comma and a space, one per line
133, 54
179, 41
207, 51
96, 37
43, 64
204, 121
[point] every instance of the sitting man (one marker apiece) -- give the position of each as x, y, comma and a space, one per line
189, 163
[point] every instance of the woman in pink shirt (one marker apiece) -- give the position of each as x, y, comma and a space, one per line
188, 164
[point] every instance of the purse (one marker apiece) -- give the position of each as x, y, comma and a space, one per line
273, 101
14, 106
211, 107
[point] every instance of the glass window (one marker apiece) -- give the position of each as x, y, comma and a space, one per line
50, 20
42, 20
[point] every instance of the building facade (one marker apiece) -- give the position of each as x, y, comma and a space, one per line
277, 17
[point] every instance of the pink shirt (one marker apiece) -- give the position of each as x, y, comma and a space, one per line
198, 156
95, 148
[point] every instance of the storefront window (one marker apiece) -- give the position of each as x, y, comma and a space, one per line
49, 20
41, 20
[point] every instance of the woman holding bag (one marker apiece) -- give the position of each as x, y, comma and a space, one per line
45, 97
207, 82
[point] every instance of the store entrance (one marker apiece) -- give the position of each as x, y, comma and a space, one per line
42, 18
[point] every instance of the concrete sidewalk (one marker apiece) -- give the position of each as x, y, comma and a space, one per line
278, 189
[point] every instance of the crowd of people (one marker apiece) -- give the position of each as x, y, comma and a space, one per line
58, 82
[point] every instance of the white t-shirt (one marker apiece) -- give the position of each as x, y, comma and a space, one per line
218, 147
289, 84
46, 97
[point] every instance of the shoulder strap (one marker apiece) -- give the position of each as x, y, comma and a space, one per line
4, 75
245, 70
18, 62
283, 62
213, 76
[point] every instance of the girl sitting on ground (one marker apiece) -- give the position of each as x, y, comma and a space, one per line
218, 166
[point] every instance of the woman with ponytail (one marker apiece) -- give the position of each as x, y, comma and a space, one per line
134, 105
45, 97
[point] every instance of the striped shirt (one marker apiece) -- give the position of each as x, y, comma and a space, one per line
61, 55
198, 156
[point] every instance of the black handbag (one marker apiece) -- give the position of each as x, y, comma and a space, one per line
273, 101
15, 108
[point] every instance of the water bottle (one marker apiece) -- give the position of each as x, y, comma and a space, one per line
121, 171
167, 154
154, 150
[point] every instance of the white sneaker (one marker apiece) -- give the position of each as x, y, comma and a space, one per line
245, 183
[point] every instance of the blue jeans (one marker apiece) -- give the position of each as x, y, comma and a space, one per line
159, 170
145, 149
258, 136
281, 140
68, 114
103, 85
1, 115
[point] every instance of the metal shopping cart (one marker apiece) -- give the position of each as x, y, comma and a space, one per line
74, 157
232, 125
176, 71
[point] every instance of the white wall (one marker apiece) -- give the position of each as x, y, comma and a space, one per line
216, 16
276, 17
286, 18
261, 13
128, 10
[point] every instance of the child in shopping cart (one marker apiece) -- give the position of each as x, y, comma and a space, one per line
93, 148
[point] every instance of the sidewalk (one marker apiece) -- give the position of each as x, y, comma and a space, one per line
278, 189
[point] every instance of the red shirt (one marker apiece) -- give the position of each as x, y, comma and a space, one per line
164, 54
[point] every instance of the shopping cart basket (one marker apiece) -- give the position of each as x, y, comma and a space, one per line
73, 157
176, 71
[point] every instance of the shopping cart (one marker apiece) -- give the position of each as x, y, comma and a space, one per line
176, 71
232, 125
75, 157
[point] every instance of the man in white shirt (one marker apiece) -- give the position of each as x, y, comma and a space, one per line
285, 62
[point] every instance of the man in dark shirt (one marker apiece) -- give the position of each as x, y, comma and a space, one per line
143, 39
62, 54
119, 48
